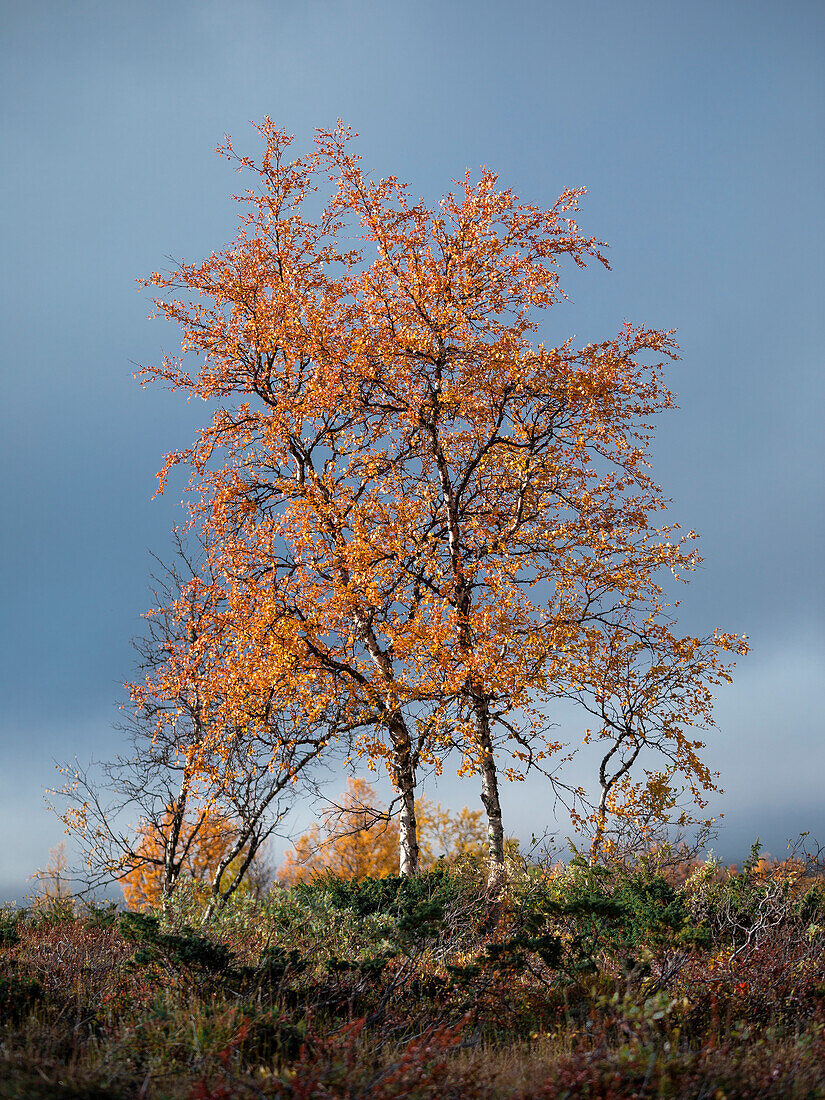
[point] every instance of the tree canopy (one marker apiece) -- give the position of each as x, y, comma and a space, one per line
419, 515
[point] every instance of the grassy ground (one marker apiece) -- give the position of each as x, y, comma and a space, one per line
576, 983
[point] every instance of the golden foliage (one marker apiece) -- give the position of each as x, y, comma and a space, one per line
358, 840
202, 844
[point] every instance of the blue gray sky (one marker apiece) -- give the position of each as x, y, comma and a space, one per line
697, 129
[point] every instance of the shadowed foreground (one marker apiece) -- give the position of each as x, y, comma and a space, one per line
578, 982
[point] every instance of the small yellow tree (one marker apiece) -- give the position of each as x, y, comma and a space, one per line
53, 880
450, 836
358, 839
203, 844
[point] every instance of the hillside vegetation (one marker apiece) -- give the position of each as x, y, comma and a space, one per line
608, 982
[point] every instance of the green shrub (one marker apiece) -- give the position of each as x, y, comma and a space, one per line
276, 963
17, 997
186, 949
811, 906
101, 916
48, 912
9, 932
588, 917
396, 896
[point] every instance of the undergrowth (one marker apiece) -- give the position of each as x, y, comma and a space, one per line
577, 981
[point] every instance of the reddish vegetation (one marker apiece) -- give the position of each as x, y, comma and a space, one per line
606, 983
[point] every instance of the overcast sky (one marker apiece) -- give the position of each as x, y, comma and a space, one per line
697, 129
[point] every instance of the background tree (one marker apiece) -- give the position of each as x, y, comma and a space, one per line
453, 837
207, 840
54, 880
358, 838
354, 840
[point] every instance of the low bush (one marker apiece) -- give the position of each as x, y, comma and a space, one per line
185, 949
9, 918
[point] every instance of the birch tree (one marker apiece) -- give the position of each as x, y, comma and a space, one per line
414, 505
